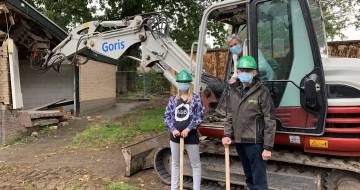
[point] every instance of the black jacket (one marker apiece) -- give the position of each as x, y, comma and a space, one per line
251, 118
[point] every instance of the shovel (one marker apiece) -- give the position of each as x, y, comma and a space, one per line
227, 167
181, 163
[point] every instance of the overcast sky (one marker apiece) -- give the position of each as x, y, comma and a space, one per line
351, 34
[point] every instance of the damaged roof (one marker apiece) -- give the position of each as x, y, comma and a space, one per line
32, 31
29, 11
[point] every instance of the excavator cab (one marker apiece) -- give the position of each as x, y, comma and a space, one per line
287, 39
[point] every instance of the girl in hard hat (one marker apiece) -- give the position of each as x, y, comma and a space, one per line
183, 114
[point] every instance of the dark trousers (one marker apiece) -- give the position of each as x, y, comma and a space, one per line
253, 164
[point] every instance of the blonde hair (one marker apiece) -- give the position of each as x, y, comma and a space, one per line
189, 92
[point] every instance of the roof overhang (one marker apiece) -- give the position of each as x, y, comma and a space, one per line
31, 13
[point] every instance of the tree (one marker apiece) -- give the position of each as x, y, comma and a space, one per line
340, 14
184, 16
66, 13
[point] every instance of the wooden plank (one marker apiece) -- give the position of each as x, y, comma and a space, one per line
44, 122
45, 114
16, 95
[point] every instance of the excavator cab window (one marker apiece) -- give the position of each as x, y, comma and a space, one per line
284, 43
275, 45
319, 26
217, 62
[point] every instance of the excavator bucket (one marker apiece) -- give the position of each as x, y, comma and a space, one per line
140, 155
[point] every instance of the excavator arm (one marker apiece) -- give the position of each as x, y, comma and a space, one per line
118, 39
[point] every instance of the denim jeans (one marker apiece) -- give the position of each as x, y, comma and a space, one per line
253, 164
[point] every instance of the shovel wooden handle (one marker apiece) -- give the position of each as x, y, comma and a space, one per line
227, 167
181, 163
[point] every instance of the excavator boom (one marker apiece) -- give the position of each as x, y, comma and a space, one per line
124, 38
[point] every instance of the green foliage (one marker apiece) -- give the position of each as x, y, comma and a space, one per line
44, 130
184, 16
155, 83
119, 186
220, 34
148, 121
340, 14
66, 13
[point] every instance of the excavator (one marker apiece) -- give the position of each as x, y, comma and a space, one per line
317, 97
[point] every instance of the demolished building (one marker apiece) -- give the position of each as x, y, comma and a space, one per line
28, 95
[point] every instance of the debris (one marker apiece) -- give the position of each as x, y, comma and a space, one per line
54, 127
34, 134
45, 114
45, 106
67, 116
63, 124
75, 118
89, 118
44, 122
44, 118
50, 154
84, 178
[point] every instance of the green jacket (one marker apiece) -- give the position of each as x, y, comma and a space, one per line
251, 118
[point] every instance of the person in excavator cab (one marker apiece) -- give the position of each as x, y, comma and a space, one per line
238, 49
183, 114
251, 122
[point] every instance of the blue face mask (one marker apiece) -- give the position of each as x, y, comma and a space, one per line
183, 86
245, 77
236, 49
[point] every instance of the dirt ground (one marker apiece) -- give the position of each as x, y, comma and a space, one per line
46, 162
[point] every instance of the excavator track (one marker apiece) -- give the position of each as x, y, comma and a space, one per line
291, 170
351, 164
340, 180
162, 164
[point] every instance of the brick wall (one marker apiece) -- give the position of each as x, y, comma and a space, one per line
12, 125
97, 86
5, 97
11, 121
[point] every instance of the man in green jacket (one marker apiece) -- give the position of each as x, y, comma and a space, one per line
251, 123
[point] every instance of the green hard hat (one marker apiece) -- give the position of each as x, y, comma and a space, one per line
183, 76
246, 62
